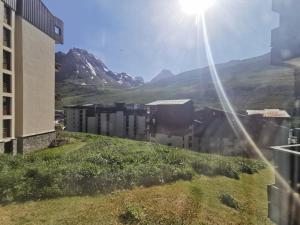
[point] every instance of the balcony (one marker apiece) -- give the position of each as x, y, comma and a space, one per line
7, 83
6, 129
7, 15
6, 106
6, 60
284, 202
6, 37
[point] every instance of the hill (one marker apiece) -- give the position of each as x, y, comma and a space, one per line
163, 184
250, 83
164, 74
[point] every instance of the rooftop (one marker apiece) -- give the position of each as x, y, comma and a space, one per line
170, 102
293, 62
269, 113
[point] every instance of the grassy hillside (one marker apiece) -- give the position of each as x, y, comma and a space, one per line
180, 203
250, 83
163, 185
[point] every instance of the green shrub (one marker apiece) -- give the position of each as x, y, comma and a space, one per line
229, 201
132, 215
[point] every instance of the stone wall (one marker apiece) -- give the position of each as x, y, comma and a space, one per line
34, 143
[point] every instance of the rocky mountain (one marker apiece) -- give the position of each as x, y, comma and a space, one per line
164, 74
80, 67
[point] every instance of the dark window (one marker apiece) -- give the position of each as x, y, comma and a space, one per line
8, 147
169, 144
57, 30
6, 60
7, 15
6, 128
127, 126
6, 37
6, 83
6, 106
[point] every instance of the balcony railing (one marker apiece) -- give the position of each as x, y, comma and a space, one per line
284, 206
6, 128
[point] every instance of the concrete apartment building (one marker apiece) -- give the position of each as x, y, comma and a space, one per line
119, 120
284, 203
176, 123
170, 122
29, 34
215, 130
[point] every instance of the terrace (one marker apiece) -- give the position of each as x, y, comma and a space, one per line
284, 202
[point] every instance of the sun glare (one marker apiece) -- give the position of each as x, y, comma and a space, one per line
196, 7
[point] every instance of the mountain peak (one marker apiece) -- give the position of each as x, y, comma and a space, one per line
80, 67
164, 74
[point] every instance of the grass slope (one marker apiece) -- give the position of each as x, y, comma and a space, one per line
96, 164
195, 202
250, 83
98, 170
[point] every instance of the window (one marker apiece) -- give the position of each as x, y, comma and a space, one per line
57, 30
6, 128
7, 15
6, 60
6, 106
6, 83
6, 37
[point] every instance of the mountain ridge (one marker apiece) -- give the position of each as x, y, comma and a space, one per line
249, 83
80, 67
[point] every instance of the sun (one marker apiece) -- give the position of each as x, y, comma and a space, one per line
196, 7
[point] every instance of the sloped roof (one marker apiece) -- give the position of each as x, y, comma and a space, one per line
269, 113
170, 102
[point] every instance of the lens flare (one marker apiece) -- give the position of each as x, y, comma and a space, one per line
227, 106
196, 7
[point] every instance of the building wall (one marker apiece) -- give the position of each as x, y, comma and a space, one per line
106, 123
119, 124
175, 141
92, 125
35, 88
141, 128
75, 120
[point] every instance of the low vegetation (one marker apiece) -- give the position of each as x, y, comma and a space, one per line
180, 203
94, 164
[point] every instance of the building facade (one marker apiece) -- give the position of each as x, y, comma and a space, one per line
285, 41
283, 195
170, 122
216, 131
119, 120
29, 34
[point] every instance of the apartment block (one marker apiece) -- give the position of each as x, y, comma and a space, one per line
27, 104
119, 120
169, 122
285, 41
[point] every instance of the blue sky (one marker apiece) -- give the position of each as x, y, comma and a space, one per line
142, 37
